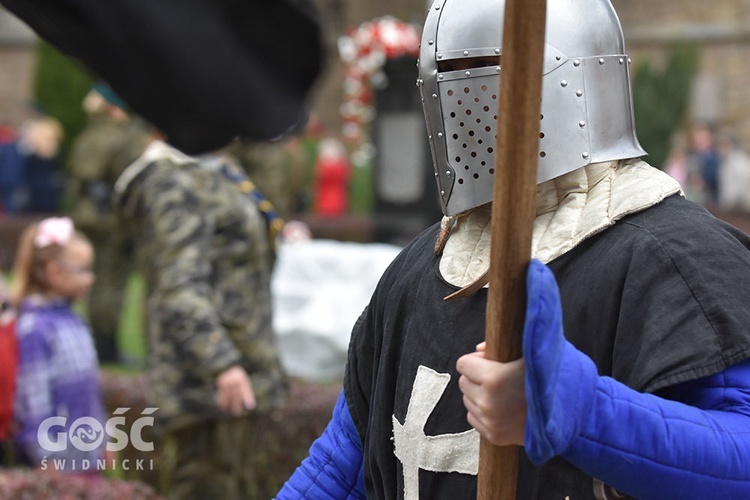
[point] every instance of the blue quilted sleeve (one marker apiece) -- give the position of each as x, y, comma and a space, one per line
691, 441
334, 467
651, 447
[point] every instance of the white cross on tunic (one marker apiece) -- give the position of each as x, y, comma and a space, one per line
442, 453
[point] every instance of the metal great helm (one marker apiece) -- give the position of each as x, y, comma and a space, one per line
587, 107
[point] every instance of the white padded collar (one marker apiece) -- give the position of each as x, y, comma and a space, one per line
570, 208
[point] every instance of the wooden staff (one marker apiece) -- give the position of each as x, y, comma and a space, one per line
513, 212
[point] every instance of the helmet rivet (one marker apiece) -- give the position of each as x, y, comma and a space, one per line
440, 77
466, 52
434, 96
582, 124
468, 73
442, 193
437, 7
431, 42
564, 83
448, 173
430, 137
629, 60
577, 63
439, 56
558, 58
440, 134
497, 51
579, 93
585, 156
497, 69
622, 60
601, 61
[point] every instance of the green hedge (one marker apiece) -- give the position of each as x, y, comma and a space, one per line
661, 99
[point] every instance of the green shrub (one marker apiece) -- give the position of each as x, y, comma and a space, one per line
661, 97
60, 84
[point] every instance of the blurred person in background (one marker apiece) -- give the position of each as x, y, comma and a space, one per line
204, 238
8, 367
703, 161
43, 179
112, 139
734, 174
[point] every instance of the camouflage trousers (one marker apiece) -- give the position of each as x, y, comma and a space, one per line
214, 459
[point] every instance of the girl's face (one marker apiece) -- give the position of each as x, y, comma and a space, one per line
71, 276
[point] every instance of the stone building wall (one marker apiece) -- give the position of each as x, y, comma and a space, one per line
16, 70
721, 31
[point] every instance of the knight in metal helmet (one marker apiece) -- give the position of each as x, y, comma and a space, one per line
632, 335
587, 109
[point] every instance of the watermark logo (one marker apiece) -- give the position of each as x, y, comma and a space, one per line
87, 434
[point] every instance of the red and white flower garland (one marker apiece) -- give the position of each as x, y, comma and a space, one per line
364, 51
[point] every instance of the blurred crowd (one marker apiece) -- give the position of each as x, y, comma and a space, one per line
30, 175
712, 166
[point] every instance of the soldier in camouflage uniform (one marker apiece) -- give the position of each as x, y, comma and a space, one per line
275, 168
111, 140
204, 250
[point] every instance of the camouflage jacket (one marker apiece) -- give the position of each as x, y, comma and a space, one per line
203, 249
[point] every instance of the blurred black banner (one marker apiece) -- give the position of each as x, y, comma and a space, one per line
202, 71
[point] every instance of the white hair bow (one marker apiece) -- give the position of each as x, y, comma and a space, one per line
53, 231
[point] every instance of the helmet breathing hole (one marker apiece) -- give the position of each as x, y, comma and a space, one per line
541, 135
543, 154
492, 171
476, 176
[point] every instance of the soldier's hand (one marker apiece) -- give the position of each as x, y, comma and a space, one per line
235, 391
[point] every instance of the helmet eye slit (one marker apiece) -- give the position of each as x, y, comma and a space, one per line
467, 63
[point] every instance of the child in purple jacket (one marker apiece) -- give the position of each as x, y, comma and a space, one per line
58, 406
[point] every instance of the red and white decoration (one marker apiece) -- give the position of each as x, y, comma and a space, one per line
363, 51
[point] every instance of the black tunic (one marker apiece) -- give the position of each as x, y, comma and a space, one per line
658, 299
